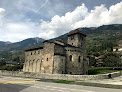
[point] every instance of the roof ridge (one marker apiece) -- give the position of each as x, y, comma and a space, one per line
76, 31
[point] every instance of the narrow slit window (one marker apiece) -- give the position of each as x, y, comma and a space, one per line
79, 59
70, 58
31, 53
47, 59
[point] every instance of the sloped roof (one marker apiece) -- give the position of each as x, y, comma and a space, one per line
76, 31
34, 49
117, 47
101, 56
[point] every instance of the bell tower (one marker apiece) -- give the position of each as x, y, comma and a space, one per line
76, 38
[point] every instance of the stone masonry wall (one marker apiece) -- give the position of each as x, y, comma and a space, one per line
33, 60
74, 64
73, 40
59, 50
58, 76
58, 58
59, 64
40, 60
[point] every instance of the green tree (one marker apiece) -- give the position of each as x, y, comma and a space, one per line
2, 63
17, 59
111, 60
92, 61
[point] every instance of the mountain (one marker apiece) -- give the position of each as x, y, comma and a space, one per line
5, 47
99, 40
113, 30
4, 43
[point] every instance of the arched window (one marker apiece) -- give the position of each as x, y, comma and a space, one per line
70, 58
35, 52
79, 59
47, 59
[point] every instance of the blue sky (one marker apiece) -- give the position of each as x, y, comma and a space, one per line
21, 19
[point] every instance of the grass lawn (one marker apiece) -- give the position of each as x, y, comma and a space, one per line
102, 70
94, 71
63, 81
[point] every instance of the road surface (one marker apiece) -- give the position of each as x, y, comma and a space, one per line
14, 84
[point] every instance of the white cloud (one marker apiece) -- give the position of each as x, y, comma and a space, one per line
20, 27
59, 25
1, 15
18, 31
80, 17
1, 11
101, 16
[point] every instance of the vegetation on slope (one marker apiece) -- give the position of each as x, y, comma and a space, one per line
100, 41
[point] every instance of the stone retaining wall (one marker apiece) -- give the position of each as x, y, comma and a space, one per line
58, 76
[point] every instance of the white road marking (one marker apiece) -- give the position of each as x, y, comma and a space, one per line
60, 90
35, 86
44, 88
52, 89
32, 83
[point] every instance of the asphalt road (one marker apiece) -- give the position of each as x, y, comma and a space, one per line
14, 84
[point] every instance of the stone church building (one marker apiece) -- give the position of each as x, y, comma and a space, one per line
59, 57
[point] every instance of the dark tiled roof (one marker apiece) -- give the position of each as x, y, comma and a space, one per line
34, 49
76, 31
68, 45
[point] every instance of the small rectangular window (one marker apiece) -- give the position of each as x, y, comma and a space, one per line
82, 38
70, 72
38, 52
35, 52
79, 59
31, 53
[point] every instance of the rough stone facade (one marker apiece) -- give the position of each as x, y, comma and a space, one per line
58, 57
59, 76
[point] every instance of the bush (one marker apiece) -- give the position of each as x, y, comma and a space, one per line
11, 68
2, 63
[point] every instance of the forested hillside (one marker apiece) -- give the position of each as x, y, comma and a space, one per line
100, 40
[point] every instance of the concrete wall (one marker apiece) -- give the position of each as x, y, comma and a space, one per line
59, 76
